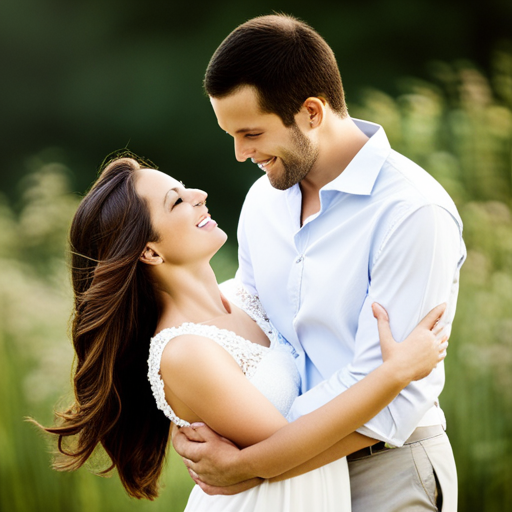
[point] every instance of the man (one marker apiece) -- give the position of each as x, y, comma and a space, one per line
339, 221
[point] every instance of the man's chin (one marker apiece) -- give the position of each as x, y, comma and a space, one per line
279, 184
284, 181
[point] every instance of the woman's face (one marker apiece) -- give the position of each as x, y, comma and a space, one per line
187, 234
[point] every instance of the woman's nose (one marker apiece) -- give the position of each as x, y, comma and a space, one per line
199, 198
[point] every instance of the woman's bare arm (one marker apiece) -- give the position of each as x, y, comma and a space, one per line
316, 432
350, 444
204, 378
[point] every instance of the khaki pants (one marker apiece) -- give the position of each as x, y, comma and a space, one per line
416, 477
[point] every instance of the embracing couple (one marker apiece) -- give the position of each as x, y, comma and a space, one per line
295, 363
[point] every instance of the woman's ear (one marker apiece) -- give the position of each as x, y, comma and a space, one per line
151, 257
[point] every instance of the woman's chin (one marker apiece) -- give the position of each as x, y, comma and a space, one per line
221, 240
222, 237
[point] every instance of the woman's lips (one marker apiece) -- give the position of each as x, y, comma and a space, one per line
206, 221
203, 222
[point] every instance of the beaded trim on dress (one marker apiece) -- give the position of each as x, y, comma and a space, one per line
246, 353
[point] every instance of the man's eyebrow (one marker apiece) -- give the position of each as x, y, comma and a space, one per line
174, 189
245, 130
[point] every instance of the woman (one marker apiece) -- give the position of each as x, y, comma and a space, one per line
141, 245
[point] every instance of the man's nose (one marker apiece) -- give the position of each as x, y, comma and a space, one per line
242, 151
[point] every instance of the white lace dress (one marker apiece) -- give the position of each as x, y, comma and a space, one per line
273, 371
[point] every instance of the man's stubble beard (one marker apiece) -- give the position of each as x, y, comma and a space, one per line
296, 164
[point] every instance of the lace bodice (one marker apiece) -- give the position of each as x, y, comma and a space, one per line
271, 369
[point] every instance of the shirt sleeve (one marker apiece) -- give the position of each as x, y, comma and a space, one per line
415, 269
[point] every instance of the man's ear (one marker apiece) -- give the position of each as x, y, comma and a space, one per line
150, 256
315, 107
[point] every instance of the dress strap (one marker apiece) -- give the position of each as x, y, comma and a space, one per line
246, 353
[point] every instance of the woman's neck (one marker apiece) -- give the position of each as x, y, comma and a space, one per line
189, 295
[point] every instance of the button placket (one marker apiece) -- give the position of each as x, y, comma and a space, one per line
301, 244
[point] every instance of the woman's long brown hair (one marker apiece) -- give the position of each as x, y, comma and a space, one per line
115, 315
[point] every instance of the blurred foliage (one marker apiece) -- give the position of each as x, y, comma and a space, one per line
36, 356
455, 122
459, 128
95, 76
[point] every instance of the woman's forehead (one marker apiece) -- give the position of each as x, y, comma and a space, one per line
153, 183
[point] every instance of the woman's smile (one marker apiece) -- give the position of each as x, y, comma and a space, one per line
207, 223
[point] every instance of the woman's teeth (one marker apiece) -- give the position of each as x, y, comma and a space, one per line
203, 222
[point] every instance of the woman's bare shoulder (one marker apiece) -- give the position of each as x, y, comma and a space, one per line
193, 354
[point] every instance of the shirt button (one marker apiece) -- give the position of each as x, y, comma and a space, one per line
298, 260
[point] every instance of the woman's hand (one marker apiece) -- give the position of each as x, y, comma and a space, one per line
420, 352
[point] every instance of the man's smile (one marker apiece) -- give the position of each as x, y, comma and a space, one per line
264, 163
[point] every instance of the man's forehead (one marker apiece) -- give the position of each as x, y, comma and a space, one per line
240, 111
243, 101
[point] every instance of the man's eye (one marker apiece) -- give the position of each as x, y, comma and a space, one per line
178, 201
252, 135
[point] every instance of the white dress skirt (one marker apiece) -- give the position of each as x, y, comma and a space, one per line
272, 370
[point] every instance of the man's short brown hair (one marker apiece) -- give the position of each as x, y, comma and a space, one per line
284, 59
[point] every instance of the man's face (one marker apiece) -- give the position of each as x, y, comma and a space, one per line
285, 154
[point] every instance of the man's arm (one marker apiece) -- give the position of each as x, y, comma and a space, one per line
314, 433
415, 268
200, 433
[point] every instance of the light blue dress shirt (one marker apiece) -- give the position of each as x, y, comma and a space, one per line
386, 232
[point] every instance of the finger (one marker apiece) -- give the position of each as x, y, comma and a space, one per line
443, 346
438, 328
193, 475
178, 439
174, 430
204, 432
379, 312
431, 318
192, 434
210, 489
185, 448
189, 463
383, 327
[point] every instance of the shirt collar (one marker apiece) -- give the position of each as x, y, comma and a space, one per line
361, 173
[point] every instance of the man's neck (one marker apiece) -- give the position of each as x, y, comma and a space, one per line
339, 141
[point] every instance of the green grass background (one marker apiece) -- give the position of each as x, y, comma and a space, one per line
458, 126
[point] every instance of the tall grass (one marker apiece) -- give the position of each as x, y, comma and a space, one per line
459, 127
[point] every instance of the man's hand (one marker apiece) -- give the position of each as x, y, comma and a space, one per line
226, 491
210, 459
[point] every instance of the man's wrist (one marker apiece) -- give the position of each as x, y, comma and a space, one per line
243, 465
231, 469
